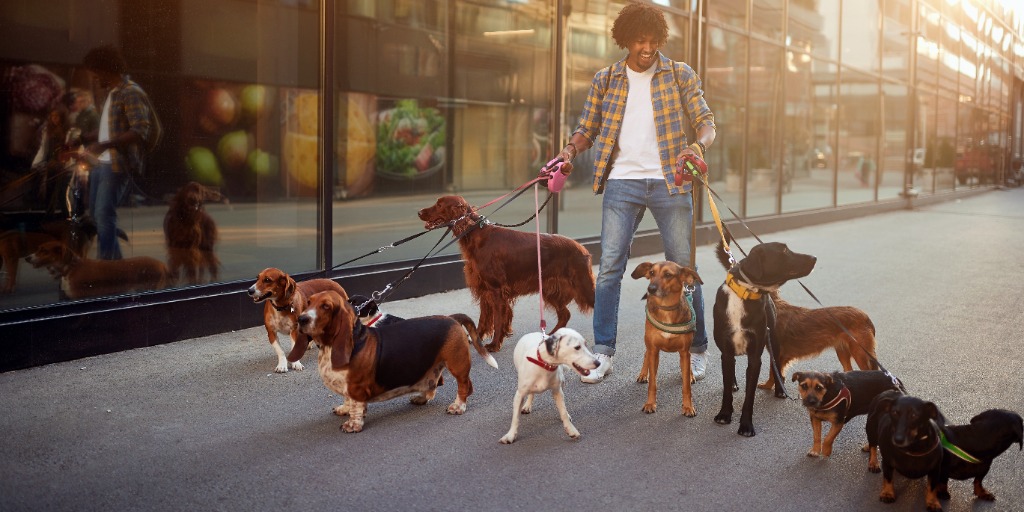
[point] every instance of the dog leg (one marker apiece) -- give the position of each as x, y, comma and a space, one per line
563, 316
282, 361
981, 492
502, 326
644, 374
931, 499
816, 432
356, 418
570, 429
888, 494
747, 412
684, 365
873, 466
345, 408
833, 432
296, 365
527, 407
651, 359
724, 416
513, 430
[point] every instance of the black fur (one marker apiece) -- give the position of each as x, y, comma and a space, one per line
366, 309
905, 430
767, 267
989, 434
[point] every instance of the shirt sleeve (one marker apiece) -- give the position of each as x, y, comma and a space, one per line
136, 109
696, 107
590, 119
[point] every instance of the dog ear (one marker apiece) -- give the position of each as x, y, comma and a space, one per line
693, 273
551, 343
641, 270
797, 376
342, 342
931, 411
290, 287
828, 380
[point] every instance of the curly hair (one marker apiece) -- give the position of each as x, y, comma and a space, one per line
636, 20
106, 58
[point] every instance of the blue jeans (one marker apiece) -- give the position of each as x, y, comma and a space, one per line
105, 191
625, 202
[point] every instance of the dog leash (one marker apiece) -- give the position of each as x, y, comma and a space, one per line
540, 266
722, 232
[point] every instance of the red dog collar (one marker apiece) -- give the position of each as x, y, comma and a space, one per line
374, 320
540, 362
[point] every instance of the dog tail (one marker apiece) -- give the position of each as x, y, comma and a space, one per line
723, 257
474, 337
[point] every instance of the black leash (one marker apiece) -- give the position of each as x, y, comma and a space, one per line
774, 364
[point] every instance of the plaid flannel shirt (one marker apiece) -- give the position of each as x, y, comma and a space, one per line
674, 107
129, 110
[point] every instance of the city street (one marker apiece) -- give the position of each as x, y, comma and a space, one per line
205, 424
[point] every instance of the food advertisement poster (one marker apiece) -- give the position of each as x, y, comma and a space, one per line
410, 140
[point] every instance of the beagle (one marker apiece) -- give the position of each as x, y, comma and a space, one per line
369, 364
369, 312
284, 299
539, 359
81, 278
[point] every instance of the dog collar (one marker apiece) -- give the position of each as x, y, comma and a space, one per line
844, 394
374, 320
683, 328
282, 309
542, 363
956, 450
745, 292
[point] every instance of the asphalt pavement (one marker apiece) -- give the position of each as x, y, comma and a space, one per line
205, 424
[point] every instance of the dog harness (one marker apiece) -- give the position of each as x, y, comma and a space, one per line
843, 395
683, 328
542, 363
954, 449
745, 292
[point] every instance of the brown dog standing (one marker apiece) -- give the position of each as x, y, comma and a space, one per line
81, 278
669, 327
837, 398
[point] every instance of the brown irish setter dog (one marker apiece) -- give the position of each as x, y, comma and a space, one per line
501, 266
190, 234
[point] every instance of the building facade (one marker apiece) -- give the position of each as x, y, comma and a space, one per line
318, 129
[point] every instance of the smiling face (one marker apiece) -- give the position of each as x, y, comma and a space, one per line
643, 52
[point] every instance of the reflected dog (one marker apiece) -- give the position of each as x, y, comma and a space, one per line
81, 278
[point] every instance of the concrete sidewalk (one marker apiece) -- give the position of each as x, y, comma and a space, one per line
205, 424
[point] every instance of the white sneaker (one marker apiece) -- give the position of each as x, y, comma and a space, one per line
597, 374
699, 365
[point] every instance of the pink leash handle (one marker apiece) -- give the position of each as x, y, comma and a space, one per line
556, 178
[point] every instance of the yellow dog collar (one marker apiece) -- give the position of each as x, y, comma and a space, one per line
745, 292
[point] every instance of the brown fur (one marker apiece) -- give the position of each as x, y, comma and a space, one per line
18, 243
277, 290
330, 320
803, 333
82, 277
667, 304
190, 234
501, 266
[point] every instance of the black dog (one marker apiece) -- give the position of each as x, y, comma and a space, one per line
837, 398
906, 430
369, 312
970, 449
745, 315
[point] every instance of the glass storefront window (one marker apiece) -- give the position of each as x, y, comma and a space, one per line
808, 163
725, 83
765, 150
814, 28
859, 130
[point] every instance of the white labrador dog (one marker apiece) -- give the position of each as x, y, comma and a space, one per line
538, 360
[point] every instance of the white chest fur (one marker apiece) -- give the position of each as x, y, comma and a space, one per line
335, 380
734, 311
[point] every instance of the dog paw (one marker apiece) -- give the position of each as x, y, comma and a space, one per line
352, 426
281, 368
342, 410
766, 385
746, 431
723, 418
297, 366
642, 379
887, 497
418, 400
689, 412
874, 468
813, 453
457, 407
508, 438
573, 433
649, 408
865, 448
526, 409
493, 346
983, 495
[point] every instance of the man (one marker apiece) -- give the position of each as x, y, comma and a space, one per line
124, 126
635, 116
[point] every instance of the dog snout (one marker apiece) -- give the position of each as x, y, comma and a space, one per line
652, 288
305, 320
252, 290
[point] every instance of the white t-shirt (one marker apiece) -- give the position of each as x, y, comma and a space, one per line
104, 134
636, 155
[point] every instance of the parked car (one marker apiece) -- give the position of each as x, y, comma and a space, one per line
975, 163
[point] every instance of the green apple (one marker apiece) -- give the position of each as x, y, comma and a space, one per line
254, 100
233, 148
202, 166
262, 163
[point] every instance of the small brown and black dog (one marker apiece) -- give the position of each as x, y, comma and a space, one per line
989, 434
906, 430
501, 266
670, 325
369, 364
837, 398
190, 233
803, 333
284, 299
81, 278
